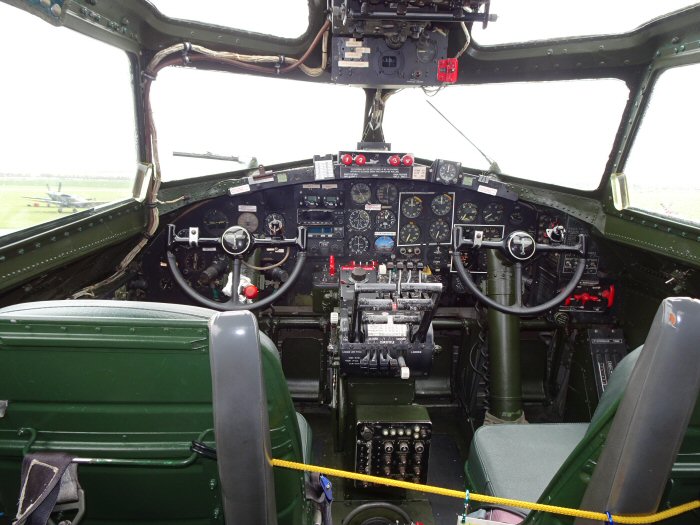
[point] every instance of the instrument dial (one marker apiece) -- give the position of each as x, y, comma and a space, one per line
359, 220
441, 204
249, 221
438, 257
467, 212
439, 231
516, 216
215, 221
274, 224
387, 193
384, 244
195, 262
448, 172
412, 207
410, 233
386, 220
360, 193
493, 213
357, 245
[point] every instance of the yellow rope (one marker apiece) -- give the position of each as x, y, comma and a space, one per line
483, 498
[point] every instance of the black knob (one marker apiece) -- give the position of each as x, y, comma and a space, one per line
419, 447
366, 433
358, 274
403, 446
388, 447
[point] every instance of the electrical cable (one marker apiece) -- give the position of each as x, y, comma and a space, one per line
265, 268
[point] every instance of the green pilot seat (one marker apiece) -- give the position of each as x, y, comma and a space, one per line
136, 383
640, 423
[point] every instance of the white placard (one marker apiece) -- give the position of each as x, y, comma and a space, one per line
237, 190
486, 190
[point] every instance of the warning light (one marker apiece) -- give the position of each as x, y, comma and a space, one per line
250, 292
407, 160
360, 160
346, 159
395, 160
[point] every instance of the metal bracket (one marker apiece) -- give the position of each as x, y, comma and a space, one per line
194, 236
478, 238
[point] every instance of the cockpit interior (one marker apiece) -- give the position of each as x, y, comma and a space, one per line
365, 335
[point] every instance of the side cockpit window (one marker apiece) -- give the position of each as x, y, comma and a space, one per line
67, 126
662, 170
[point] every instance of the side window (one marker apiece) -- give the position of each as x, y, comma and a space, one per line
67, 126
663, 166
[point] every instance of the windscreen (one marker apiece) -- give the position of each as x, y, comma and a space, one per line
554, 132
520, 21
212, 122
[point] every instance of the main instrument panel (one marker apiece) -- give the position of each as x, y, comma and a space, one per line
402, 219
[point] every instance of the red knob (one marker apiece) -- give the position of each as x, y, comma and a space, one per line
331, 266
250, 292
407, 160
360, 160
394, 160
346, 159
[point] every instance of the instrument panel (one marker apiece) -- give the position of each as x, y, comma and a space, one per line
359, 220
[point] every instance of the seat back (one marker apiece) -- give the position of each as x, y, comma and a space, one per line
646, 430
130, 382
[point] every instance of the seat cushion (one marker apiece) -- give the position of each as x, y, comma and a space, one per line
519, 461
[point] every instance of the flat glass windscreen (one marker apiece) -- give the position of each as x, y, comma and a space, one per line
663, 166
555, 132
520, 21
283, 18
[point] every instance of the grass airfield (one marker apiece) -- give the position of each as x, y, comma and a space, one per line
17, 212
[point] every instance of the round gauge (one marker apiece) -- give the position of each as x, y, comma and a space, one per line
384, 244
274, 224
357, 245
441, 204
410, 233
467, 212
359, 220
516, 216
387, 193
360, 193
215, 221
249, 221
386, 220
195, 262
448, 172
439, 231
412, 207
494, 213
438, 256
426, 50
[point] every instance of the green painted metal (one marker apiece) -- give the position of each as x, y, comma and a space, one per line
504, 343
130, 394
42, 249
